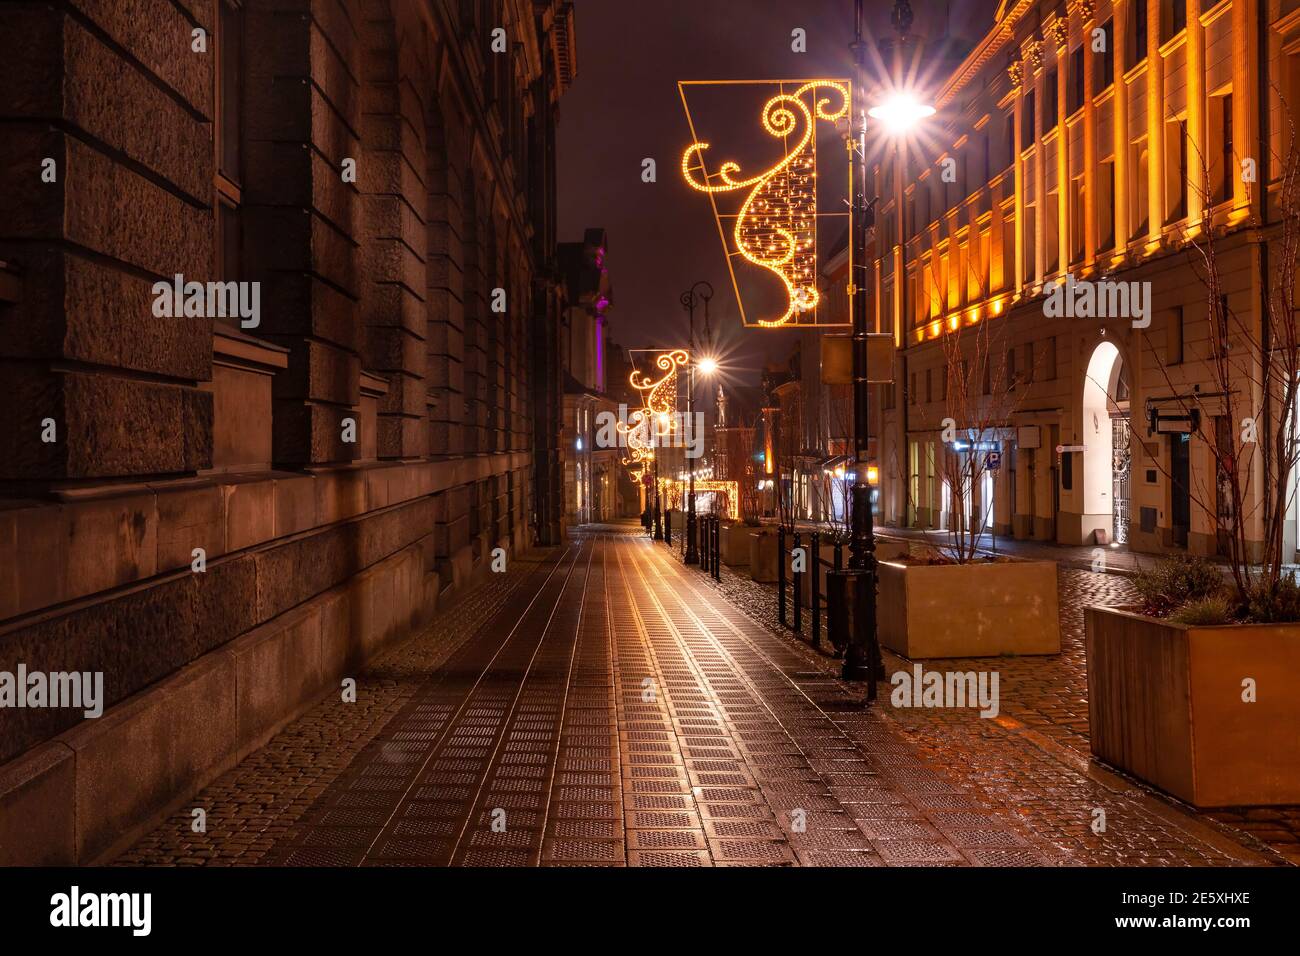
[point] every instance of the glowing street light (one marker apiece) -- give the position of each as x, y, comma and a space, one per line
900, 112
896, 115
708, 365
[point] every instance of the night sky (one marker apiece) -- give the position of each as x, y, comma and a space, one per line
624, 107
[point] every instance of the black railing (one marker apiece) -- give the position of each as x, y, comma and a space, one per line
795, 564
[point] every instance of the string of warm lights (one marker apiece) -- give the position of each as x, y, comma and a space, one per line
661, 394
674, 490
636, 432
776, 228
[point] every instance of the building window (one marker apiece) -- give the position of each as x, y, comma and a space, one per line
1010, 131
1075, 98
1141, 196
1176, 170
1028, 133
911, 389
988, 165
1078, 205
1106, 205
1049, 101
1052, 233
1174, 339
1228, 164
1138, 52
1007, 257
1177, 10
982, 269
1106, 59
1030, 265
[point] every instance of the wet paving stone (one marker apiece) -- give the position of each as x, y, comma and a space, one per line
604, 705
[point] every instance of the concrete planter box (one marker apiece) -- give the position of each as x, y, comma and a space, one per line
1165, 705
733, 541
969, 610
763, 556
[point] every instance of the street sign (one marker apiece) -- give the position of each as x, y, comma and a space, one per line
837, 358
1061, 449
993, 460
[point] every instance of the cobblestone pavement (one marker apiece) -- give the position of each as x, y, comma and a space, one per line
602, 705
1033, 760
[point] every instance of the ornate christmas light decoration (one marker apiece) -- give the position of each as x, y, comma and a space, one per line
638, 439
661, 393
776, 225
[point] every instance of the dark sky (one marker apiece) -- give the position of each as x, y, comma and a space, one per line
624, 107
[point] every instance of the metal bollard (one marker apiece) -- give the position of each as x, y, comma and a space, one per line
717, 551
816, 636
668, 528
780, 573
705, 534
713, 547
715, 536
798, 587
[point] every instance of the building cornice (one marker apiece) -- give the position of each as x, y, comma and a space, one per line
995, 42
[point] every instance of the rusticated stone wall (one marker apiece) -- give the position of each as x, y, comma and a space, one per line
133, 442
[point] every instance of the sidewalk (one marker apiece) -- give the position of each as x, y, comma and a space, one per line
1118, 559
1033, 762
599, 706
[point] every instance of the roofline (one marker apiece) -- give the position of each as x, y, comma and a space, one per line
1009, 14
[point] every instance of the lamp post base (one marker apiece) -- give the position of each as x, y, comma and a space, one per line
692, 549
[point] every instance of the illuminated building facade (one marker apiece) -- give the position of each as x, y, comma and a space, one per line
1093, 140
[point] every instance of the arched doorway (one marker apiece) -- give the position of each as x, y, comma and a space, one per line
1105, 437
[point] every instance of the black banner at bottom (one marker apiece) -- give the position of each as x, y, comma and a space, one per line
215, 905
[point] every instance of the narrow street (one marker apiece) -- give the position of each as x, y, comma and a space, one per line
600, 704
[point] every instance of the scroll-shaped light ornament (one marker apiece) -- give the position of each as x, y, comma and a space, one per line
639, 441
661, 393
776, 228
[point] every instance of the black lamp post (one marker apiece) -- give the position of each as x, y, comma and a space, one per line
689, 299
862, 656
659, 528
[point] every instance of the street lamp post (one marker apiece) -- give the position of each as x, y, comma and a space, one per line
689, 299
659, 528
862, 656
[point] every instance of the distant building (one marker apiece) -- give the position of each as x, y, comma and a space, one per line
597, 486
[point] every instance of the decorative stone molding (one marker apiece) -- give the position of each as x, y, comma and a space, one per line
1059, 31
1084, 8
1034, 53
1016, 71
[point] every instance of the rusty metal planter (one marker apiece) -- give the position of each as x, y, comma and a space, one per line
1165, 704
969, 610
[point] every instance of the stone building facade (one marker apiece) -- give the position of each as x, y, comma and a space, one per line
1094, 141
227, 515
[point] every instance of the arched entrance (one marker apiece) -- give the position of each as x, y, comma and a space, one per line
1105, 439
